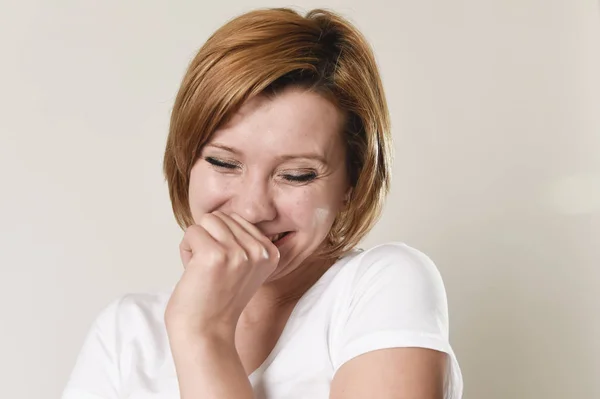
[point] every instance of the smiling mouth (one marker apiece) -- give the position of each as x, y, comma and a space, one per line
277, 237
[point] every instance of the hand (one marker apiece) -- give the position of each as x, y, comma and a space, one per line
226, 260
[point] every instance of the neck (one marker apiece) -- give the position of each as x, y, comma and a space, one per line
277, 296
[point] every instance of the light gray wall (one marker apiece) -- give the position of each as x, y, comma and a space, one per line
496, 115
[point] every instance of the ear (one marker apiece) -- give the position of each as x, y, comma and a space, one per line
347, 196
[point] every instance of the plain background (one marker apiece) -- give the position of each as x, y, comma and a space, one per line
496, 116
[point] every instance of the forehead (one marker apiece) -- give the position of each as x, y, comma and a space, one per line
294, 120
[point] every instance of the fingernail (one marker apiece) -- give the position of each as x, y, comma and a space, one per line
265, 253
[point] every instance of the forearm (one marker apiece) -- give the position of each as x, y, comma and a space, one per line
209, 368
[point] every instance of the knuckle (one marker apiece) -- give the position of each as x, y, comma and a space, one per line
257, 251
192, 229
239, 257
217, 257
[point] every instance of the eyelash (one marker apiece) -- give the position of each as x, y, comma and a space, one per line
305, 178
220, 164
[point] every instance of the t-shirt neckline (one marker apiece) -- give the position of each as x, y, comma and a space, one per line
291, 322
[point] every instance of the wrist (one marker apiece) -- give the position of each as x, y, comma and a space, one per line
208, 365
180, 329
214, 337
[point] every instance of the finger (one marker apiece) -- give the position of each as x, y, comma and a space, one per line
196, 240
223, 234
253, 247
218, 229
256, 233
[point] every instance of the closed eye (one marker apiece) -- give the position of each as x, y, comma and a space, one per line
220, 164
301, 178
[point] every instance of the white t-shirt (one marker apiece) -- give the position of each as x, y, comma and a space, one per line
389, 296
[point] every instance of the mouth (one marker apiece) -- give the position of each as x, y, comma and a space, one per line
279, 238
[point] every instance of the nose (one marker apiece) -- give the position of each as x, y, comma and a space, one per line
254, 201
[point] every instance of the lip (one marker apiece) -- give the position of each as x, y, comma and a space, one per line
285, 239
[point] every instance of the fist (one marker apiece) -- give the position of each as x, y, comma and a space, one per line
226, 259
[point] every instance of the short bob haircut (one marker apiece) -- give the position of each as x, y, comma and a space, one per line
261, 53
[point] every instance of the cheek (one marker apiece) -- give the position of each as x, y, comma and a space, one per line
207, 191
322, 217
309, 212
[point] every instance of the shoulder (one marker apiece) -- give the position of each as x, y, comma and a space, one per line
132, 314
394, 252
394, 297
127, 336
392, 287
395, 263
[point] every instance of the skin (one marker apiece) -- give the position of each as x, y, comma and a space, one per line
277, 166
297, 122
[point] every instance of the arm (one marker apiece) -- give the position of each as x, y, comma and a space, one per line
393, 340
395, 373
209, 367
226, 259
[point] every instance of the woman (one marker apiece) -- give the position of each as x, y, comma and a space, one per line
278, 160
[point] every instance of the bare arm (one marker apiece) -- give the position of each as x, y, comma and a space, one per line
396, 373
209, 368
226, 259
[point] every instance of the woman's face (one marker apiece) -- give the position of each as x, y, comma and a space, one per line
280, 164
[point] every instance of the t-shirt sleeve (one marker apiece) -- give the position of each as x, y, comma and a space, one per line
397, 299
96, 371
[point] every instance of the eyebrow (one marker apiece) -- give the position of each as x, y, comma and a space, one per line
287, 157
